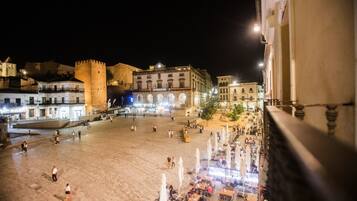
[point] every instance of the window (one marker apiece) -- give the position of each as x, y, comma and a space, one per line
31, 112
182, 74
235, 98
77, 99
50, 100
77, 87
169, 75
170, 83
159, 75
149, 84
55, 99
42, 112
139, 77
43, 100
139, 85
234, 91
62, 99
182, 83
250, 90
251, 98
242, 98
18, 101
226, 97
62, 87
55, 87
7, 100
159, 84
50, 111
243, 91
32, 100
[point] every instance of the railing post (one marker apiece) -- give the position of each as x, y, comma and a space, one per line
331, 115
299, 111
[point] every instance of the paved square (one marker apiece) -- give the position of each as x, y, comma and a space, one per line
109, 163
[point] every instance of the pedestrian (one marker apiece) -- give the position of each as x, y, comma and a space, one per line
57, 139
73, 134
201, 129
125, 115
188, 123
67, 190
154, 128
79, 134
29, 132
211, 134
219, 137
172, 133
132, 128
169, 132
168, 162
173, 162
111, 119
54, 173
25, 146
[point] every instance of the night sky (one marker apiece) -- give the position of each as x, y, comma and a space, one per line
211, 34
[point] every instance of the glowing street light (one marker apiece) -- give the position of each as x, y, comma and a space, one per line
256, 28
260, 64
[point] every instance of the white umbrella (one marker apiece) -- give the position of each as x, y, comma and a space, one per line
209, 150
197, 160
180, 171
163, 191
223, 136
216, 143
228, 156
248, 159
242, 170
237, 156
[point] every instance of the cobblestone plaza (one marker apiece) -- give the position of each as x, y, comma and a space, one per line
109, 163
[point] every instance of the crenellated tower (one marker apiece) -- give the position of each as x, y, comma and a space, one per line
93, 74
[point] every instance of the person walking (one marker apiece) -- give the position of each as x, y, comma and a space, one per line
168, 162
24, 146
67, 190
169, 132
111, 119
79, 134
54, 173
172, 133
173, 162
73, 135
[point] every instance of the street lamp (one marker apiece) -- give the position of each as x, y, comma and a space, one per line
261, 64
257, 30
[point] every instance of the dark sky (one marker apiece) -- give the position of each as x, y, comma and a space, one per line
211, 34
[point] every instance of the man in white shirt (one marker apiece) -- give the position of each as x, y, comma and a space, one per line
54, 173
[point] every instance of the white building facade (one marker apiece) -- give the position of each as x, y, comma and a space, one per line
249, 95
172, 87
7, 69
51, 100
223, 89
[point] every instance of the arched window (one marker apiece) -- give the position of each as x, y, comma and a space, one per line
250, 90
242, 90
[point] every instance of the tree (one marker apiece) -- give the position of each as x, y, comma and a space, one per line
236, 111
209, 108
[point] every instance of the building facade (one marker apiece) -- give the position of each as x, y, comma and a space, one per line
7, 69
246, 94
309, 66
61, 99
93, 74
223, 89
175, 87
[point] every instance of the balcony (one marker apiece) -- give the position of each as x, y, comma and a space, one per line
61, 103
304, 163
61, 90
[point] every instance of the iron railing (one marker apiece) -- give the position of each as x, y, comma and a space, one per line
304, 163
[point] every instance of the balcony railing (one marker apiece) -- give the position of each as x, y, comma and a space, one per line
304, 163
61, 103
60, 90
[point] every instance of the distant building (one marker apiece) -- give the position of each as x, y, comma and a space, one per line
223, 91
41, 69
7, 69
51, 99
249, 95
174, 87
93, 74
120, 83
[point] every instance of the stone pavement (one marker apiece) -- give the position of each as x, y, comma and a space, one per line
109, 163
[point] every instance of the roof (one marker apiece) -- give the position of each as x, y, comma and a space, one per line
58, 79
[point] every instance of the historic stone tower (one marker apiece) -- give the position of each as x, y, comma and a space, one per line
93, 74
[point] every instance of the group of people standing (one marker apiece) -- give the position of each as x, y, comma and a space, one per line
171, 162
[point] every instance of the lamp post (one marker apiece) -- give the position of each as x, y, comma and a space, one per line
257, 29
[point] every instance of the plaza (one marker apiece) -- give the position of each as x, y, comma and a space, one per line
110, 162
